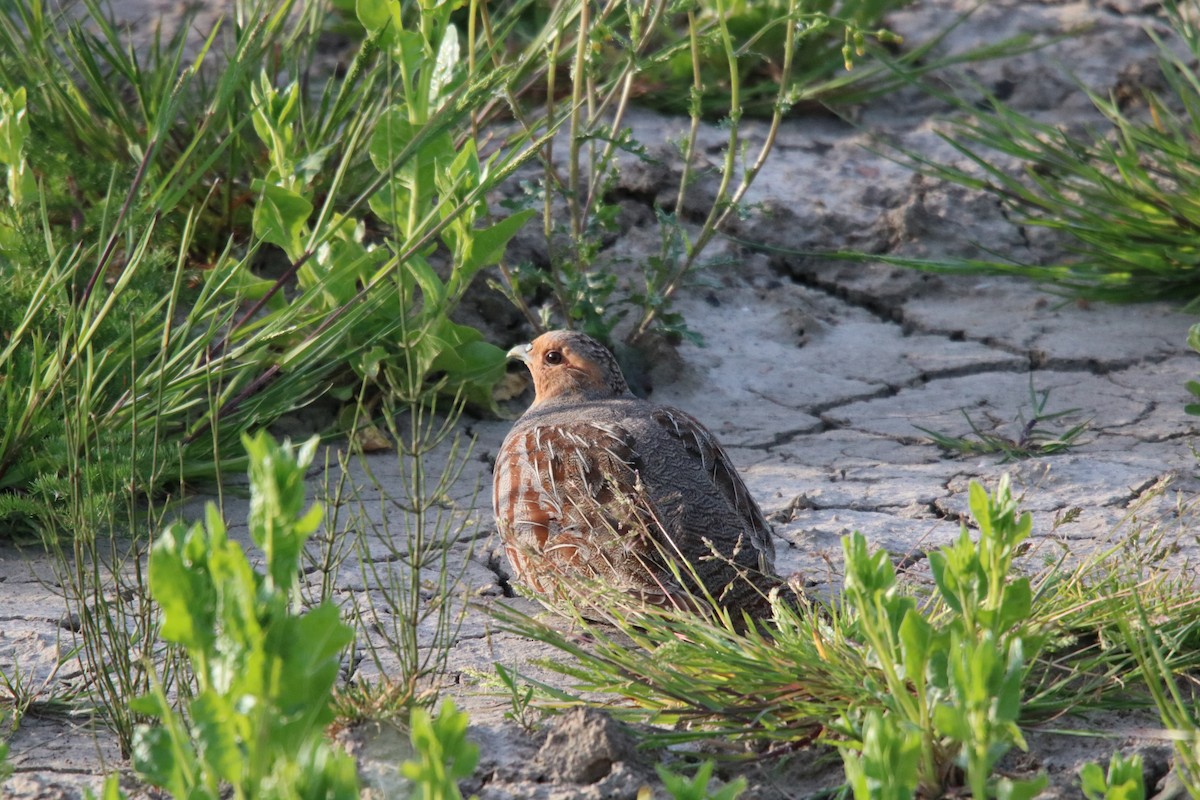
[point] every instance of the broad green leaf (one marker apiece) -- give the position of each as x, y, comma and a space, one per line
475, 367
215, 732
1012, 673
445, 67
237, 662
157, 761
181, 585
1008, 789
1016, 606
947, 582
14, 126
980, 506
280, 217
432, 289
950, 721
1092, 781
337, 270
916, 635
414, 55
111, 790
393, 132
377, 15
367, 363
488, 245
308, 650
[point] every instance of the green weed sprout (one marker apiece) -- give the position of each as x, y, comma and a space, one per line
1124, 780
1032, 439
443, 754
886, 766
956, 679
696, 788
264, 673
111, 790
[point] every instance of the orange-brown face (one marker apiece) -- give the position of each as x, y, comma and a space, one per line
568, 363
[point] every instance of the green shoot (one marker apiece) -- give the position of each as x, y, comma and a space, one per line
1031, 440
1124, 780
443, 756
264, 674
696, 788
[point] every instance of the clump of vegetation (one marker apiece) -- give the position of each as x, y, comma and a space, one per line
147, 194
613, 55
264, 674
1124, 779
1032, 439
443, 756
1124, 196
921, 693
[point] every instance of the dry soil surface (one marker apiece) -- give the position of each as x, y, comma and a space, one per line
816, 376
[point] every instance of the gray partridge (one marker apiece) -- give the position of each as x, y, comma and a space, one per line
597, 488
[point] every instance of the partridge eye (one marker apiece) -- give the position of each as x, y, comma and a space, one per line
553, 357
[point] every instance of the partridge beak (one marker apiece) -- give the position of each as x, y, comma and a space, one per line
520, 352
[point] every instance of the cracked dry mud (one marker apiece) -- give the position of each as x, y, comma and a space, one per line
815, 375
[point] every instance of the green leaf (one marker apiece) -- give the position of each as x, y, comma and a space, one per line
377, 15
1016, 605
946, 580
367, 363
1008, 789
887, 768
14, 126
445, 68
443, 754
215, 730
280, 217
432, 288
950, 721
916, 635
1092, 781
488, 245
278, 523
111, 790
155, 757
1008, 698
980, 506
393, 132
181, 585
681, 788
309, 649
